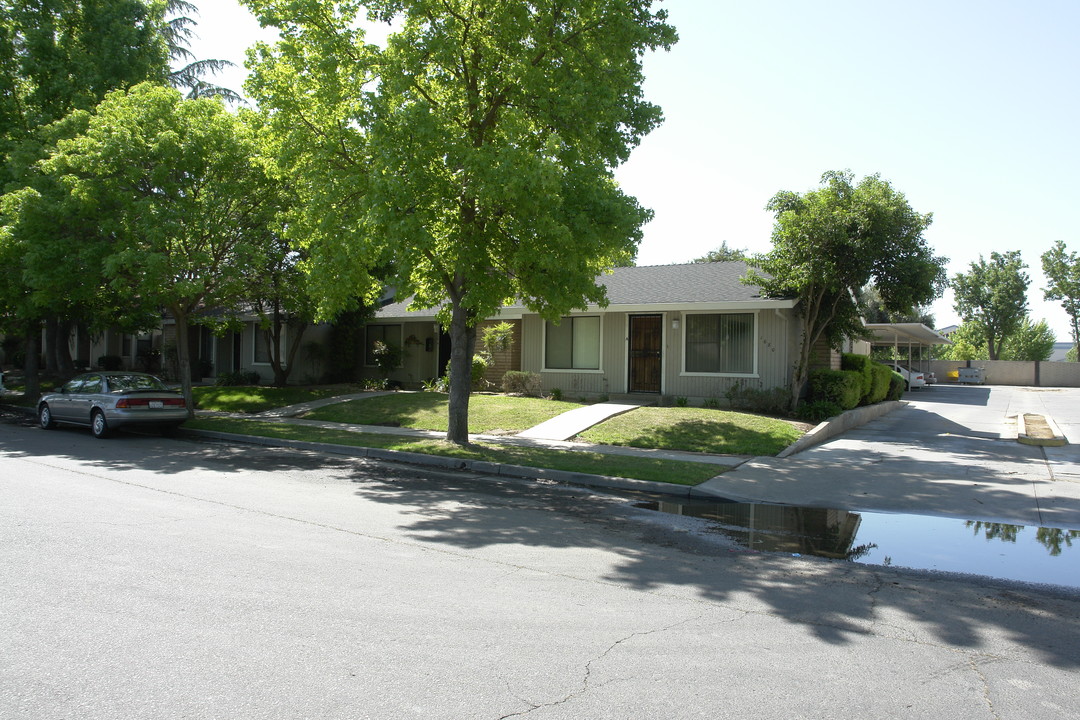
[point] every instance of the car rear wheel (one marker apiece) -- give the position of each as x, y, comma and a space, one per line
98, 425
45, 417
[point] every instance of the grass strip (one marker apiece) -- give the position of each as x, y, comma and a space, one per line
429, 411
704, 430
256, 398
669, 471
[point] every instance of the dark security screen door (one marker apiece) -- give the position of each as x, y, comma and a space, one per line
646, 341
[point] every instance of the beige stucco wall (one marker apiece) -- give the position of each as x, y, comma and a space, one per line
1004, 372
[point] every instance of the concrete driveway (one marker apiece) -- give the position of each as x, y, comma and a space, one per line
951, 451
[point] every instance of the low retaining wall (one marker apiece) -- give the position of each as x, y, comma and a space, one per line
841, 423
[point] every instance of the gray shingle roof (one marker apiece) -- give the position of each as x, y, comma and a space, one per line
652, 285
690, 283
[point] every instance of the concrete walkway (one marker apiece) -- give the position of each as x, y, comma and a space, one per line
577, 421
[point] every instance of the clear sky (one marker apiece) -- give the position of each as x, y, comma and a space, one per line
969, 108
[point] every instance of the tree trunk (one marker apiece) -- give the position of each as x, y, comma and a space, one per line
51, 366
462, 342
32, 363
282, 370
183, 359
64, 362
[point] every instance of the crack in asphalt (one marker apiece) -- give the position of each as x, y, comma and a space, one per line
985, 687
586, 681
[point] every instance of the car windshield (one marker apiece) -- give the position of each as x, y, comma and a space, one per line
128, 383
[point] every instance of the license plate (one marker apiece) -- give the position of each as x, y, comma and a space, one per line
157, 404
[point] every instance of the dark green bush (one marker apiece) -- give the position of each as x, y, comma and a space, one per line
110, 362
817, 410
773, 401
860, 364
896, 385
842, 387
521, 382
238, 377
879, 388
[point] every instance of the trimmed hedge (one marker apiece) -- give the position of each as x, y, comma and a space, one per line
882, 378
896, 385
860, 364
840, 387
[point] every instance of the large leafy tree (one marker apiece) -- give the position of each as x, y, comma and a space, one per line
1030, 341
474, 153
56, 57
993, 297
184, 192
1062, 272
831, 242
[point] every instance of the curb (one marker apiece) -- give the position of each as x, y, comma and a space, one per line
839, 424
446, 463
1022, 436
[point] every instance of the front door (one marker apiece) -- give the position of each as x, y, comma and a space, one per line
646, 343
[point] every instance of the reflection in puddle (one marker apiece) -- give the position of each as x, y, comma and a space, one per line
1012, 552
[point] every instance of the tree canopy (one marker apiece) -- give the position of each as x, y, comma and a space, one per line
189, 200
831, 242
722, 254
993, 297
474, 153
1062, 270
1031, 341
58, 57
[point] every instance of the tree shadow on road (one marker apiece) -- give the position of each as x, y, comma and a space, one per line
837, 602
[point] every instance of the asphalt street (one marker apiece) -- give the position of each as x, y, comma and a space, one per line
152, 578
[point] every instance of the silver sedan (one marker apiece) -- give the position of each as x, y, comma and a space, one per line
104, 401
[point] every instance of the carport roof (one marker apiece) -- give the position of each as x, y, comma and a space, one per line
904, 333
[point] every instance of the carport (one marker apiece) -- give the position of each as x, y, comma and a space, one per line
907, 338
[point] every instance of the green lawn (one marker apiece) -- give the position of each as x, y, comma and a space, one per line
256, 398
697, 430
427, 411
670, 471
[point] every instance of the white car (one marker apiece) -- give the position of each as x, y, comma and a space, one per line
913, 379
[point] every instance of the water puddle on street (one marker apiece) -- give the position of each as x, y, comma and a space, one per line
999, 550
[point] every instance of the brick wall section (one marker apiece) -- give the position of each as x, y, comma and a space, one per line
503, 361
823, 356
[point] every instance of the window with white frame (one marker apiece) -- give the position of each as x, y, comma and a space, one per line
261, 345
721, 344
389, 334
572, 344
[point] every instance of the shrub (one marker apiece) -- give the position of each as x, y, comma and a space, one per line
817, 410
238, 377
681, 401
860, 364
388, 357
841, 387
520, 382
439, 384
773, 401
498, 338
556, 394
896, 385
879, 388
480, 363
110, 362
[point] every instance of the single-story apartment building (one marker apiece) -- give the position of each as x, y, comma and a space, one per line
690, 330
